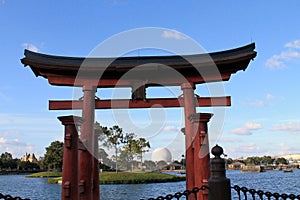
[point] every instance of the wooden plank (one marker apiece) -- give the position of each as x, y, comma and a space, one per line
148, 103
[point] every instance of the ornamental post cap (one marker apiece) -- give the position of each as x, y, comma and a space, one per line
217, 151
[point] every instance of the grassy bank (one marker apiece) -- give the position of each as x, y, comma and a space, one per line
44, 175
131, 178
134, 178
4, 172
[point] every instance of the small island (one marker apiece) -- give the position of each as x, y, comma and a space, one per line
117, 178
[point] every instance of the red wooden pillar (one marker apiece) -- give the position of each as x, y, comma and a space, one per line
96, 192
70, 158
87, 137
189, 109
201, 152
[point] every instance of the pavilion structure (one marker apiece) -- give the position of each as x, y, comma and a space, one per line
80, 168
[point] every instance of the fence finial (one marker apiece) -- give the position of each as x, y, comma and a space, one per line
219, 185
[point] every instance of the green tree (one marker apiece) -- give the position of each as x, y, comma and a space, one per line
53, 158
124, 144
28, 166
103, 156
161, 164
229, 161
114, 137
105, 162
141, 146
253, 160
11, 164
129, 147
7, 161
101, 129
124, 160
281, 161
150, 164
6, 156
267, 160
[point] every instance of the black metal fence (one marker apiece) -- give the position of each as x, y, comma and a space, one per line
185, 194
242, 193
8, 197
245, 193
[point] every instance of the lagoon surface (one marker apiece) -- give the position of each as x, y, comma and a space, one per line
38, 188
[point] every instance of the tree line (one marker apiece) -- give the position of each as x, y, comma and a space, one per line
126, 147
256, 160
8, 163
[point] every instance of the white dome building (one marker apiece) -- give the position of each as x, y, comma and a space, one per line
161, 153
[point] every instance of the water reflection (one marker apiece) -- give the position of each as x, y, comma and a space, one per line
39, 189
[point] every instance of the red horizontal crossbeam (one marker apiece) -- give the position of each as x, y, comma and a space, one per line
149, 103
62, 80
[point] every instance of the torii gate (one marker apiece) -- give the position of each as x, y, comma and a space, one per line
63, 71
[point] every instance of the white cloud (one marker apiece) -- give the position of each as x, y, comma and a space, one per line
269, 96
174, 35
247, 129
294, 44
253, 126
290, 126
259, 103
274, 63
2, 141
278, 61
244, 149
30, 47
170, 129
249, 148
288, 55
253, 149
241, 131
15, 147
230, 140
10, 133
287, 149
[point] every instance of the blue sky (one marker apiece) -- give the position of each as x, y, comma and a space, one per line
263, 118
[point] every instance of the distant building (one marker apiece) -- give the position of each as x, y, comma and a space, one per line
29, 157
236, 165
172, 166
253, 168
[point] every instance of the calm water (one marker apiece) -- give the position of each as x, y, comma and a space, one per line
38, 189
33, 188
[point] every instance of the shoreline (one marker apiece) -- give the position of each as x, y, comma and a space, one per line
117, 178
4, 172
